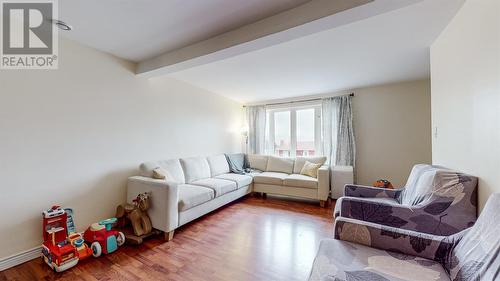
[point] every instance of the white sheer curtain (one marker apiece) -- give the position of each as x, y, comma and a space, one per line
338, 132
256, 121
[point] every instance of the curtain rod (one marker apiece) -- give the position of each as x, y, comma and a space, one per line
297, 101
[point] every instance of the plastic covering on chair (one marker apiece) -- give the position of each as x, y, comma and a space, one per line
369, 251
435, 200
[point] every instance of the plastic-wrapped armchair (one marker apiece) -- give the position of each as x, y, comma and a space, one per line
368, 251
435, 200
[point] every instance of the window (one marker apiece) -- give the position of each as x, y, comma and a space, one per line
282, 142
293, 131
305, 132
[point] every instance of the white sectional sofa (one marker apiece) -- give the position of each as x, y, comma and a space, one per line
197, 186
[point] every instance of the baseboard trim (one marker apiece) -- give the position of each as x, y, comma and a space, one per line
20, 258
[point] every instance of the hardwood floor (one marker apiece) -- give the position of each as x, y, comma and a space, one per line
253, 238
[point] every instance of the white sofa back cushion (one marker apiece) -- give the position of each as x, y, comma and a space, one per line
258, 162
172, 166
218, 165
301, 160
278, 164
195, 168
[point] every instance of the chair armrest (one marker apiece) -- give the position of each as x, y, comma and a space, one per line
398, 241
365, 209
363, 191
163, 211
323, 182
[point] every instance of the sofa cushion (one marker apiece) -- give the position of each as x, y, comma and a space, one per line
220, 186
301, 160
172, 166
270, 178
193, 195
240, 180
296, 180
279, 164
218, 165
258, 162
254, 173
340, 260
195, 168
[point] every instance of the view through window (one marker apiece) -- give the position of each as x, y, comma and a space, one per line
282, 137
305, 133
293, 131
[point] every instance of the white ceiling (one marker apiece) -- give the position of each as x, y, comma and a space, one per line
138, 30
386, 48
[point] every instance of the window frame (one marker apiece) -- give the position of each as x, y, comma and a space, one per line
270, 134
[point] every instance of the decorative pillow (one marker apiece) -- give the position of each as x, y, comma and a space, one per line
159, 173
300, 160
310, 169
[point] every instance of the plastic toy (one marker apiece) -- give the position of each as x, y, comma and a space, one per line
102, 238
57, 251
75, 238
383, 184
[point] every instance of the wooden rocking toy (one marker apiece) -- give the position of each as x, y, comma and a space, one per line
137, 215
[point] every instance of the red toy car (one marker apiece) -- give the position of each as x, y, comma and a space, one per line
57, 251
102, 238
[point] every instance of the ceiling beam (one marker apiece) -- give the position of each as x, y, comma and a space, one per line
306, 19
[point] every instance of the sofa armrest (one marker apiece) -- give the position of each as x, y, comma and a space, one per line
323, 182
363, 191
163, 211
398, 241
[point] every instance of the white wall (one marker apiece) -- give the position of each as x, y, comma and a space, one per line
392, 125
73, 136
465, 67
